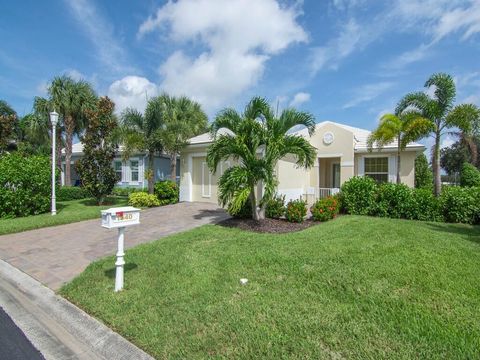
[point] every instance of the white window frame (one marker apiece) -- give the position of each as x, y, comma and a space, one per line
130, 171
204, 187
122, 169
365, 173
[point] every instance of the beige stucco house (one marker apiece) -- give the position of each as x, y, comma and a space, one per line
341, 153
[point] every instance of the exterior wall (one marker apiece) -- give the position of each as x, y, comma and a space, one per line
292, 180
407, 165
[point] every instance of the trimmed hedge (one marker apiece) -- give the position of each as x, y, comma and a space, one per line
143, 199
167, 192
456, 204
67, 193
25, 185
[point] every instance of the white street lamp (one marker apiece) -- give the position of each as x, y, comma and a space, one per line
54, 121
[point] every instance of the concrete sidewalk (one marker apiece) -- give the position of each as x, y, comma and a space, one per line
55, 255
58, 329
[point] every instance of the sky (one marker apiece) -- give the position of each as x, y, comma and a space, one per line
348, 61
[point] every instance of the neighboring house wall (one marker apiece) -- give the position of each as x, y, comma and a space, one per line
131, 172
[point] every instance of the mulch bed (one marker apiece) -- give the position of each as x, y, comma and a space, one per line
272, 226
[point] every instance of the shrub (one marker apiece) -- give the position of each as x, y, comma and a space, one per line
358, 195
423, 173
470, 176
143, 199
461, 205
167, 192
325, 209
245, 211
275, 208
66, 193
125, 191
296, 210
394, 201
426, 206
25, 185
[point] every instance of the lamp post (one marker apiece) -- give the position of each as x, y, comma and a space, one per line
54, 121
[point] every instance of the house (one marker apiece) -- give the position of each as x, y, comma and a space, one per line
342, 152
130, 173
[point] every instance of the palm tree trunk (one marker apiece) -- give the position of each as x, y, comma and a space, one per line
253, 202
173, 166
151, 179
69, 129
436, 165
398, 161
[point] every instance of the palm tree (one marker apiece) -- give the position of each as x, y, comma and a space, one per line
403, 128
257, 139
70, 99
441, 113
142, 133
469, 115
182, 119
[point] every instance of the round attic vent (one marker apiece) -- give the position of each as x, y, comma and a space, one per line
328, 138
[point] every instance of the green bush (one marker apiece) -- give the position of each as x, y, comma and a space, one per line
358, 195
126, 191
142, 199
461, 204
245, 211
296, 211
394, 201
66, 193
167, 192
25, 185
423, 173
470, 176
325, 209
426, 206
275, 208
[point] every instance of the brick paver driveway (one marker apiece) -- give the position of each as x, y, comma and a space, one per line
55, 255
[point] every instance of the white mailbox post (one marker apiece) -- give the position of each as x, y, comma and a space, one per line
120, 218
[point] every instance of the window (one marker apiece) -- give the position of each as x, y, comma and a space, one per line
377, 168
134, 170
118, 170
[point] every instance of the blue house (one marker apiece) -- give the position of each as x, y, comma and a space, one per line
130, 173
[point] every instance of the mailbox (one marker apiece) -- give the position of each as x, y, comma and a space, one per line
120, 217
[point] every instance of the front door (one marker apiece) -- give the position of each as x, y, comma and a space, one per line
336, 175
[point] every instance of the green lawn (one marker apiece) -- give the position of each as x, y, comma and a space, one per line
355, 287
67, 212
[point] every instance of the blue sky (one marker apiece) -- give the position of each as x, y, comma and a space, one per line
343, 60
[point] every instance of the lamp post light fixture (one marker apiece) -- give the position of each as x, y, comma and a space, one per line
54, 121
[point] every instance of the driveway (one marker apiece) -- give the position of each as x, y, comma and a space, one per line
55, 255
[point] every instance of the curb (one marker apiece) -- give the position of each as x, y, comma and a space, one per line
56, 327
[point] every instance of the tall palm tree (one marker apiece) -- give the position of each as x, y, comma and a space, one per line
440, 111
257, 139
70, 99
182, 119
403, 128
142, 132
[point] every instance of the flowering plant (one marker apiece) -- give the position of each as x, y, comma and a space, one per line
325, 209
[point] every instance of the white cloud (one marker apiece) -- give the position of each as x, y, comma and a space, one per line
367, 93
131, 91
472, 99
409, 57
299, 99
108, 50
42, 88
447, 142
237, 44
350, 38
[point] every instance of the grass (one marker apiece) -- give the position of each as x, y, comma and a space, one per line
67, 212
355, 287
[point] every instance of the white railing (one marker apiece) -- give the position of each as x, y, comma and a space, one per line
322, 193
